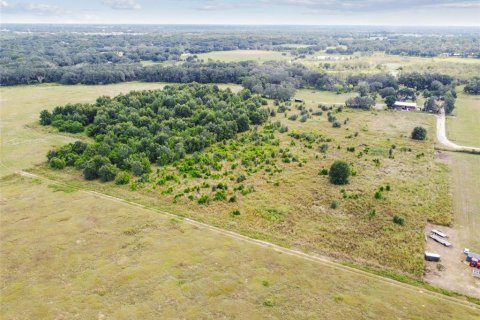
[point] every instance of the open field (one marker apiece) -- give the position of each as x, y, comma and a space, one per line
22, 142
466, 200
463, 68
287, 202
243, 55
314, 97
464, 127
77, 255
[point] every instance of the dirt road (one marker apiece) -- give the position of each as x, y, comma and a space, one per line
265, 244
442, 136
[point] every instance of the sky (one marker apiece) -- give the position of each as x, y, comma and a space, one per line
263, 12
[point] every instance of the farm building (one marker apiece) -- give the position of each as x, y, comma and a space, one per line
402, 105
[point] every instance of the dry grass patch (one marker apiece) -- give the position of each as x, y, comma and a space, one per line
76, 255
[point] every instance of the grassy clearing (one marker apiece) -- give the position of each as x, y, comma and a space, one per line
464, 127
77, 255
380, 62
283, 199
23, 143
243, 55
314, 97
466, 190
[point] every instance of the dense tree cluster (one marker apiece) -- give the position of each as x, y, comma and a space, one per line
473, 86
133, 131
108, 54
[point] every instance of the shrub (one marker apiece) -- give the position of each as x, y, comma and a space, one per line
323, 148
293, 117
122, 178
241, 178
233, 199
235, 213
336, 124
339, 172
56, 163
398, 220
323, 172
45, 118
220, 195
204, 199
90, 171
107, 172
378, 195
334, 204
419, 133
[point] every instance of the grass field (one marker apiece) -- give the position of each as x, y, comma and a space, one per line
466, 200
243, 55
463, 68
76, 255
314, 97
464, 127
291, 204
23, 143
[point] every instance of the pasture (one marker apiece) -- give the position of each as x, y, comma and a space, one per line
463, 68
259, 56
78, 255
464, 126
285, 199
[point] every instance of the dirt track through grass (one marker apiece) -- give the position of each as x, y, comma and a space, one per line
294, 253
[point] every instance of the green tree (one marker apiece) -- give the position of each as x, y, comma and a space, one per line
449, 103
390, 101
107, 172
90, 171
122, 178
45, 118
56, 163
339, 172
419, 133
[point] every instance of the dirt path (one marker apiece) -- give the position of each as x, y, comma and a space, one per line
314, 258
442, 136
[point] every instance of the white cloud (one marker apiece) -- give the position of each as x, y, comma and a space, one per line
38, 9
122, 4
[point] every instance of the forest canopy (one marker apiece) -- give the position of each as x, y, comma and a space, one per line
133, 131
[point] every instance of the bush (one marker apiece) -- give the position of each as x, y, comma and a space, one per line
334, 204
241, 178
235, 213
122, 178
419, 133
45, 118
336, 124
398, 220
339, 172
56, 163
220, 195
90, 171
107, 172
204, 199
323, 172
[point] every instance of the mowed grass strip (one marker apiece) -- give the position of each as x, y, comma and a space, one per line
466, 201
464, 126
77, 255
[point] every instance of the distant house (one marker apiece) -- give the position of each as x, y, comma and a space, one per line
298, 100
402, 105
